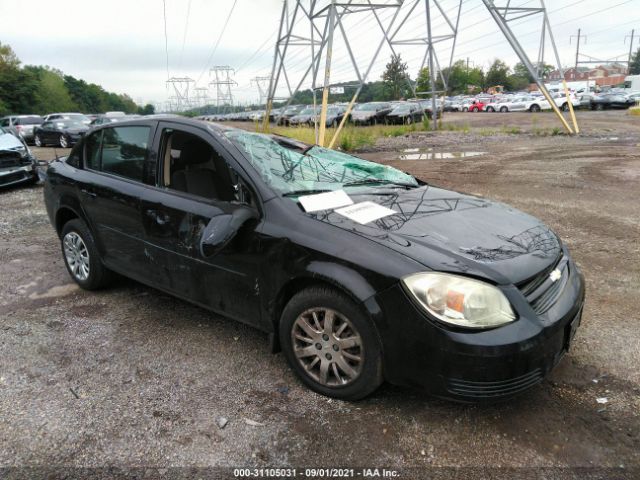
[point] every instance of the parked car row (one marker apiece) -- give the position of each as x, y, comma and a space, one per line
60, 129
536, 102
370, 113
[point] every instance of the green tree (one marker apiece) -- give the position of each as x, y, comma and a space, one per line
497, 74
423, 82
8, 58
148, 109
396, 78
476, 79
51, 95
634, 66
520, 70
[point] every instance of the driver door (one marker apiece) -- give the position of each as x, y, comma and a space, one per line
195, 185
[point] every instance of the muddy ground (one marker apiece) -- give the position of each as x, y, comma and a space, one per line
131, 377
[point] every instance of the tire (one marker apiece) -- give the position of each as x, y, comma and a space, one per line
86, 269
409, 120
37, 141
534, 108
63, 142
504, 109
475, 110
465, 109
565, 107
334, 124
359, 378
491, 109
599, 106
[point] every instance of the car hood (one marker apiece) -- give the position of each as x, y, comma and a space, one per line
454, 232
9, 142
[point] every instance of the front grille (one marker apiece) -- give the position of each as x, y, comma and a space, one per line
9, 159
540, 291
495, 389
549, 297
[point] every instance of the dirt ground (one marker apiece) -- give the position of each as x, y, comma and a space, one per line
131, 377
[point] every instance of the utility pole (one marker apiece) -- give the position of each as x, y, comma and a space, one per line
579, 36
630, 49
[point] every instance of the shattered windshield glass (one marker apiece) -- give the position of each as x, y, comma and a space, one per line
290, 171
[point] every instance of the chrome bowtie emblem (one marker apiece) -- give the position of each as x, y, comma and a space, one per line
555, 275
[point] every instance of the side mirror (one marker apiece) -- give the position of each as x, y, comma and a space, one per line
222, 229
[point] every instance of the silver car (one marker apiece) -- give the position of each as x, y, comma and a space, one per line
21, 125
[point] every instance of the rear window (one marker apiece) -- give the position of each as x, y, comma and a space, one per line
124, 151
29, 121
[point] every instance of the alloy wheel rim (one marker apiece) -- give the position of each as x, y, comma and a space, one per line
77, 255
37, 141
63, 141
328, 347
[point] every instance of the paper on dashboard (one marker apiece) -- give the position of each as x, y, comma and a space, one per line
325, 201
365, 212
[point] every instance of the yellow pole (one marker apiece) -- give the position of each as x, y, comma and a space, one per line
556, 109
570, 104
344, 118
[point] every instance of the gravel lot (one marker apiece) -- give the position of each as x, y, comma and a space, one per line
131, 377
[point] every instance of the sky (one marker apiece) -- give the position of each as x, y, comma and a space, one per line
120, 44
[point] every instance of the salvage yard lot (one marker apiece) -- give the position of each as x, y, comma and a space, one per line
130, 376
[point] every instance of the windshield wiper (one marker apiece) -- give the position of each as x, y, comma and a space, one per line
375, 181
297, 193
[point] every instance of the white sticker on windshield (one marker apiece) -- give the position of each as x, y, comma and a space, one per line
365, 212
325, 201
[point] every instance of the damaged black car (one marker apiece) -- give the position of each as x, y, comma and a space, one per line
17, 164
358, 272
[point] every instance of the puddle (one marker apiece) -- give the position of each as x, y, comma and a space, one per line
429, 154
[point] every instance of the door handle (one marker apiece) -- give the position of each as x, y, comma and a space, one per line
88, 193
159, 217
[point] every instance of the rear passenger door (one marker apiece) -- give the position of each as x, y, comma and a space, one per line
117, 171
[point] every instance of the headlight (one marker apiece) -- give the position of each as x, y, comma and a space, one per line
459, 300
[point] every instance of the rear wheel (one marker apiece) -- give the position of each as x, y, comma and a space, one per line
330, 344
491, 109
465, 109
81, 256
534, 108
37, 141
565, 107
504, 109
64, 143
599, 106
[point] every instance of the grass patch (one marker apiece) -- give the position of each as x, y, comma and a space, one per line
634, 111
351, 138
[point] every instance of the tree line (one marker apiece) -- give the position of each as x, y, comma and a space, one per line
31, 89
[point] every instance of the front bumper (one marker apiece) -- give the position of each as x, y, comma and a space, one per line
473, 366
19, 174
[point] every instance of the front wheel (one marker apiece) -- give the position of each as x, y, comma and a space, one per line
330, 344
599, 106
465, 109
81, 256
491, 109
535, 108
565, 107
64, 143
504, 109
37, 141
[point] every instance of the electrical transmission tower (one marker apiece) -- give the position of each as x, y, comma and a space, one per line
180, 90
314, 28
503, 13
584, 59
223, 82
201, 97
263, 87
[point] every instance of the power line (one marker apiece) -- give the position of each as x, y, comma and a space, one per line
218, 41
184, 36
166, 40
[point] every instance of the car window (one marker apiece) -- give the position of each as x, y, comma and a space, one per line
74, 157
4, 122
124, 151
29, 121
93, 143
191, 165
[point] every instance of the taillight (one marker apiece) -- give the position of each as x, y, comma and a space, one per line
19, 127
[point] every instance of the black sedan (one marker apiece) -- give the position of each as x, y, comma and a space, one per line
370, 113
406, 113
359, 272
611, 100
63, 133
